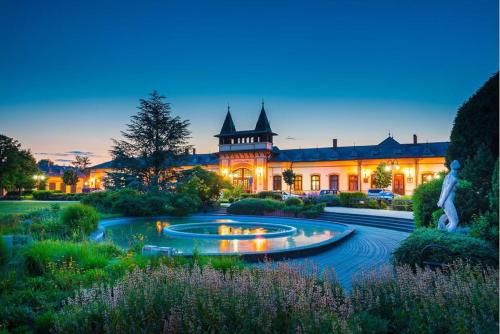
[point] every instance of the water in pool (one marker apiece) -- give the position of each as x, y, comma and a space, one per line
214, 236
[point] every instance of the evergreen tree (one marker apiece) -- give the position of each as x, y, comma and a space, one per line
154, 145
474, 137
383, 176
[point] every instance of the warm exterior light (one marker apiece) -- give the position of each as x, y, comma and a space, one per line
259, 171
387, 168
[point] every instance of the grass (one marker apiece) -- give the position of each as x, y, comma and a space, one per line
22, 207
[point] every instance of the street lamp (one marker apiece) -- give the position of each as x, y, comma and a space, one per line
38, 178
392, 165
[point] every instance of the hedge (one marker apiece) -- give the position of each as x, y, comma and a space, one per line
254, 206
347, 198
462, 246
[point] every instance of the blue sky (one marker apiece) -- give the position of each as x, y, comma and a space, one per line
71, 72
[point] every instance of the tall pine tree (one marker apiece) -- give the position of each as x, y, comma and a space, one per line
154, 146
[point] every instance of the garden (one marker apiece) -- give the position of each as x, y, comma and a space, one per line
54, 279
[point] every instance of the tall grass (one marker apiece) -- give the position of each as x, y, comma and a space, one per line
285, 298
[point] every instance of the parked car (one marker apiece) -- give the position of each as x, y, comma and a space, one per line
328, 192
381, 194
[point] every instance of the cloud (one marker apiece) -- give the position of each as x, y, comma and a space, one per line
78, 152
64, 160
66, 154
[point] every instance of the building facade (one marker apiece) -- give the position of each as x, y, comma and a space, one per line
249, 158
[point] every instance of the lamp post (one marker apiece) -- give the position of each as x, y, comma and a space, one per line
392, 165
38, 178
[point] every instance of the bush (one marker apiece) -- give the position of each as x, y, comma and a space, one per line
254, 206
80, 217
270, 194
293, 201
181, 204
348, 198
329, 200
426, 196
313, 211
462, 246
294, 209
56, 195
401, 204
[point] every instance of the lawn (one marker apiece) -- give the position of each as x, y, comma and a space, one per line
20, 207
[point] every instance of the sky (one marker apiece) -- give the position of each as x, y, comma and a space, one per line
72, 72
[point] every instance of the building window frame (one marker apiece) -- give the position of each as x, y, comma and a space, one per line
426, 177
277, 182
353, 182
315, 182
330, 181
297, 183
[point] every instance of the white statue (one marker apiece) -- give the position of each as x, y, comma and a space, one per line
446, 200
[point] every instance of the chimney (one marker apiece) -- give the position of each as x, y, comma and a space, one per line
194, 151
415, 139
335, 143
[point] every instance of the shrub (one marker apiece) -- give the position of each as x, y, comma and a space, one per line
347, 198
426, 196
10, 224
462, 246
294, 209
313, 211
293, 201
270, 194
181, 204
131, 204
402, 204
329, 200
254, 206
80, 217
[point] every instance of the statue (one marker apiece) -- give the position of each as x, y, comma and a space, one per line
446, 200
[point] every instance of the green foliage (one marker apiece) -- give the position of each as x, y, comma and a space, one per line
486, 225
426, 196
462, 246
270, 194
349, 198
329, 200
293, 201
254, 206
313, 211
56, 195
80, 217
289, 177
154, 145
234, 192
18, 166
402, 204
182, 204
70, 177
383, 177
206, 185
474, 136
3, 252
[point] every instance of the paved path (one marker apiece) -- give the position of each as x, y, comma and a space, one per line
371, 212
368, 248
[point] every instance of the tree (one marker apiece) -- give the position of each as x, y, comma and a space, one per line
81, 163
383, 176
17, 166
289, 178
474, 137
154, 146
204, 184
70, 177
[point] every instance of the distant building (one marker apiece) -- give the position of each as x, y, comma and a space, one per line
248, 158
54, 178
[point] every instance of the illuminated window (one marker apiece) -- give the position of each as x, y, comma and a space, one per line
277, 182
353, 183
315, 182
297, 184
426, 177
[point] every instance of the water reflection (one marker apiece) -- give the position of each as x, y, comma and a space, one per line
253, 245
160, 226
228, 230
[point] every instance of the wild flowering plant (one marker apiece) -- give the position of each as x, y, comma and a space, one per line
287, 298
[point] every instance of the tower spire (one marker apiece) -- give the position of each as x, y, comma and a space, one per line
228, 126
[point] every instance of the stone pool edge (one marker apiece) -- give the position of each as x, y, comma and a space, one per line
296, 252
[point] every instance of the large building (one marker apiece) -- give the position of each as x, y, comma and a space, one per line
249, 158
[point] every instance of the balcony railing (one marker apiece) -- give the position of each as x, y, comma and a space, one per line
245, 147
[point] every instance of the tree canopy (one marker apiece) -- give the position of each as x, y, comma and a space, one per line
289, 177
383, 177
70, 177
17, 166
154, 145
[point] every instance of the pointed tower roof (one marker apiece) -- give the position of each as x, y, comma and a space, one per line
228, 126
263, 122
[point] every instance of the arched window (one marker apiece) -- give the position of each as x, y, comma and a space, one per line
315, 182
277, 182
243, 177
334, 182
